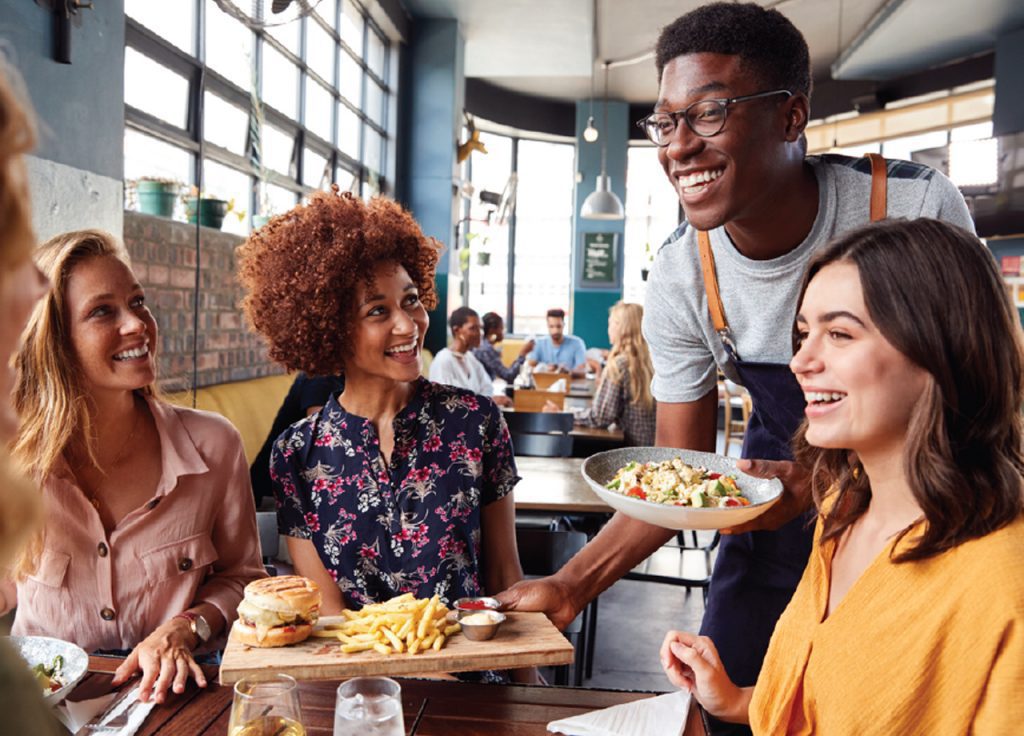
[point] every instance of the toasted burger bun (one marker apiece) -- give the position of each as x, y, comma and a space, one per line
278, 636
291, 594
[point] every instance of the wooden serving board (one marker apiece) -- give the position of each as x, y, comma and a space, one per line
524, 640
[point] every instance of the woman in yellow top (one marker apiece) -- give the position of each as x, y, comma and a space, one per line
910, 615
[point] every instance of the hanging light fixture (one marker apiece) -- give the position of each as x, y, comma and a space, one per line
590, 133
603, 203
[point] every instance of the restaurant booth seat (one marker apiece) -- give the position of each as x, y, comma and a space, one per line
510, 348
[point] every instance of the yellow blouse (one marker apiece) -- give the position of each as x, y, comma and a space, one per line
933, 647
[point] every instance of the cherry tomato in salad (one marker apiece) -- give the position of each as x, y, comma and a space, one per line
637, 492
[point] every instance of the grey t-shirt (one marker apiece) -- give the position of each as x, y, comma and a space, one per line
759, 297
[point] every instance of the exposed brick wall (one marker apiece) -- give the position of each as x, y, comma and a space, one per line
164, 258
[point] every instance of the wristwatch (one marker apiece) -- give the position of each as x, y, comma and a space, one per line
197, 625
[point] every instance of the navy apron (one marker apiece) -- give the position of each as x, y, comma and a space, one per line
756, 573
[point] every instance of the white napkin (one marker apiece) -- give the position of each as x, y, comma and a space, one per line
76, 715
559, 386
664, 715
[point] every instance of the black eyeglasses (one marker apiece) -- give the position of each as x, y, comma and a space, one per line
704, 117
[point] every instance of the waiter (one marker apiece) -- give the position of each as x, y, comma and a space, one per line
729, 122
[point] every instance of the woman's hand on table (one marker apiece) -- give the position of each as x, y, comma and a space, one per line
551, 407
796, 494
546, 595
502, 400
165, 660
692, 664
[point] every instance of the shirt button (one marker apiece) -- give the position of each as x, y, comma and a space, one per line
185, 564
107, 614
101, 549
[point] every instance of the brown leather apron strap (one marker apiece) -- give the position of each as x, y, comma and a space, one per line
879, 183
707, 267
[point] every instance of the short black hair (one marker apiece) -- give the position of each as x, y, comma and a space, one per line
491, 321
765, 40
461, 316
557, 313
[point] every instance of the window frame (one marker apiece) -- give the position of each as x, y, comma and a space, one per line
202, 79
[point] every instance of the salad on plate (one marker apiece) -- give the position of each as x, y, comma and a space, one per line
675, 483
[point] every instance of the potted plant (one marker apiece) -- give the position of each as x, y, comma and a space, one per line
265, 209
156, 195
209, 210
483, 256
646, 269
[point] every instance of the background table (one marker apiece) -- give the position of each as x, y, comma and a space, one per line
431, 707
555, 484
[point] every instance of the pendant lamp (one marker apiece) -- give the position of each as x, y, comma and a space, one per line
603, 203
590, 133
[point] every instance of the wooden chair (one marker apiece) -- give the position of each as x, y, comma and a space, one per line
544, 379
738, 405
529, 399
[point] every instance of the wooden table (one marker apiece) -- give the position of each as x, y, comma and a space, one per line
555, 484
431, 707
612, 436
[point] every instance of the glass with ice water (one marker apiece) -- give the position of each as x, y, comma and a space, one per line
369, 706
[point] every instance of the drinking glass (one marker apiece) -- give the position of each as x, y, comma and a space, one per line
266, 705
369, 706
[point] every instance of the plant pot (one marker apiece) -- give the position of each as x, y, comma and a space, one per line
483, 258
211, 211
644, 273
259, 221
157, 197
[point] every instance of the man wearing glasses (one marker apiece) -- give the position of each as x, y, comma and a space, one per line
729, 123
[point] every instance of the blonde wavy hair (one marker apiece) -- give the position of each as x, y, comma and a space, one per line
50, 394
633, 349
20, 507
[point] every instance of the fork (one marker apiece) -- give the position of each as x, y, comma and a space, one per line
117, 722
96, 724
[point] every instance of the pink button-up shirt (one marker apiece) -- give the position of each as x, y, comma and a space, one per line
194, 541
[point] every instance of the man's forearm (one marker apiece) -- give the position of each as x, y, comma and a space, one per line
621, 545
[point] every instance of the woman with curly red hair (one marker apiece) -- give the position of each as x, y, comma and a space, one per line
397, 484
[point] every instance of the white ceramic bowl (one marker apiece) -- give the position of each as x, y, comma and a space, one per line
599, 469
36, 649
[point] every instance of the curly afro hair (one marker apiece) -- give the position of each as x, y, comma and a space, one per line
766, 40
302, 270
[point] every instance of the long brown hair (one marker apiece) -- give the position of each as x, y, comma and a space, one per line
49, 394
963, 454
20, 508
636, 356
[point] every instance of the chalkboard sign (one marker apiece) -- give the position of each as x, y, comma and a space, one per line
600, 259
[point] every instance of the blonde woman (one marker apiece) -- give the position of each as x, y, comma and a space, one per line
623, 395
150, 531
21, 285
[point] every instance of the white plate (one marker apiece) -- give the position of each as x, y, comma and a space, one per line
36, 649
599, 469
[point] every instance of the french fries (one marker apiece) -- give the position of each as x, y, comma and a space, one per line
401, 625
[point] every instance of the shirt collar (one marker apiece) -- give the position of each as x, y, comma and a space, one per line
422, 388
178, 452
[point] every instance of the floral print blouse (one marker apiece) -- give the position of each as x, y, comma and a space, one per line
411, 525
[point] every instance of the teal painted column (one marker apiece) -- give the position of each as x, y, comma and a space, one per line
590, 302
436, 99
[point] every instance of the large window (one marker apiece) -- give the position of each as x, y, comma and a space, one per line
652, 214
518, 265
285, 110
